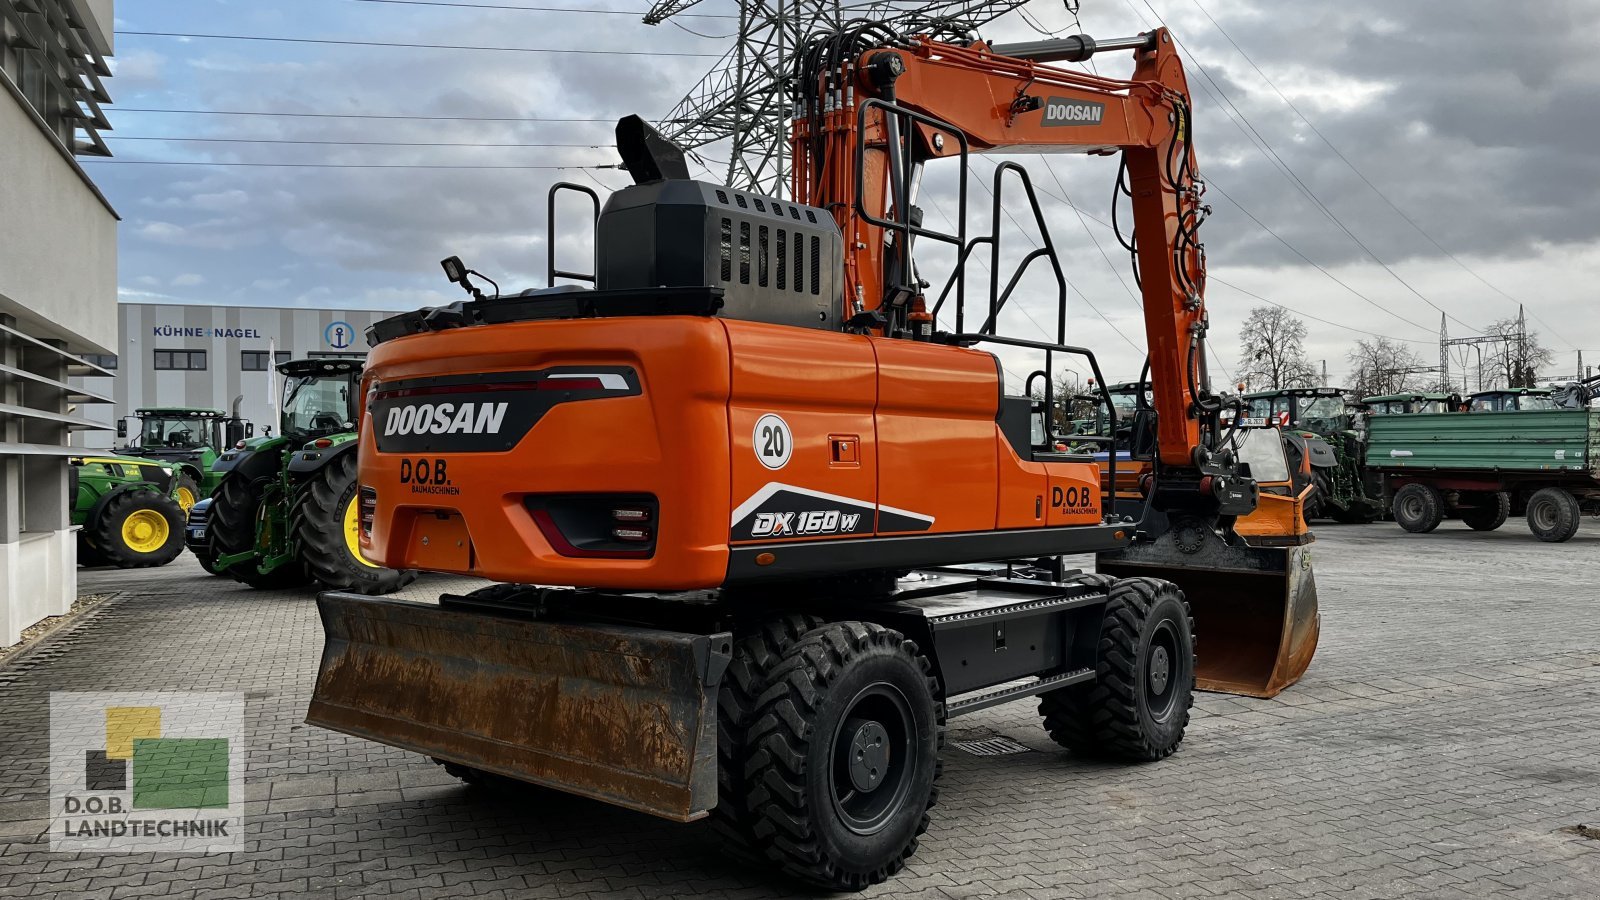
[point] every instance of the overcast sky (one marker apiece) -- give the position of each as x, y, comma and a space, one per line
1474, 119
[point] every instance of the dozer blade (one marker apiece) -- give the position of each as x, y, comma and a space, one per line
1255, 608
622, 714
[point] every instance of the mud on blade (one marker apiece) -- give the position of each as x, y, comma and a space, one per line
621, 714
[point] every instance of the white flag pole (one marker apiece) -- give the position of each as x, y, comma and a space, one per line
272, 376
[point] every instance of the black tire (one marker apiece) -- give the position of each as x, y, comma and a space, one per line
1553, 515
181, 481
755, 655
1492, 514
87, 554
1418, 508
108, 535
843, 756
1137, 707
231, 528
1355, 516
1320, 504
318, 521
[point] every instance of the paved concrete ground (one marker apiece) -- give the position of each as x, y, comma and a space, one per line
1442, 740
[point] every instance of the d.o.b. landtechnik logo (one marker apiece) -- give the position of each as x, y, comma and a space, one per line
146, 772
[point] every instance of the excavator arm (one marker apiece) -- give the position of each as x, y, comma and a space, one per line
873, 109
856, 155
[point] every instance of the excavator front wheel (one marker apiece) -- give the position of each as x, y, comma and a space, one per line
1137, 707
841, 756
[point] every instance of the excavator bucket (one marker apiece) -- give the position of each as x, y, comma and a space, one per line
623, 714
1255, 608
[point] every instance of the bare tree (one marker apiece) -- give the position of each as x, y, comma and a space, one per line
1272, 351
1383, 366
1075, 395
1514, 361
1072, 397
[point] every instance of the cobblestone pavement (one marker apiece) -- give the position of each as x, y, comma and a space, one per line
1442, 741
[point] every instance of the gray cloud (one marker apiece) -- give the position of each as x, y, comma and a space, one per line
1472, 117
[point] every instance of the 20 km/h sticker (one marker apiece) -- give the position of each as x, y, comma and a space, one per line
773, 442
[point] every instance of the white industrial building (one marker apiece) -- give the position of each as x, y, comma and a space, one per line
58, 287
170, 354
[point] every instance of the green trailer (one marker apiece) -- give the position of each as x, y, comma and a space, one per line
1485, 465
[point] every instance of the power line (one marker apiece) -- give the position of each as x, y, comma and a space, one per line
1255, 296
1288, 170
563, 9
1359, 174
1067, 199
1212, 277
223, 140
319, 115
411, 46
1075, 289
1309, 261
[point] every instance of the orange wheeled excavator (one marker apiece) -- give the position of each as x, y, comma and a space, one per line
761, 525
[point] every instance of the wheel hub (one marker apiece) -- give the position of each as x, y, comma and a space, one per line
1160, 670
869, 755
145, 531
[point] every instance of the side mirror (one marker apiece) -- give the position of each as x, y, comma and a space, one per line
1142, 439
122, 428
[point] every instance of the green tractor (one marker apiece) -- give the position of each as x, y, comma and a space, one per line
1321, 412
189, 440
126, 510
1410, 403
287, 509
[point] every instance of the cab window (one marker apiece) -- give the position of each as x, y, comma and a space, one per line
1262, 450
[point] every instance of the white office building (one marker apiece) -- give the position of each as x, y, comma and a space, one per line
58, 287
216, 356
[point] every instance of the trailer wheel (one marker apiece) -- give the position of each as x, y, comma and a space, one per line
1490, 516
1419, 508
842, 756
137, 529
324, 519
755, 655
1137, 707
1553, 515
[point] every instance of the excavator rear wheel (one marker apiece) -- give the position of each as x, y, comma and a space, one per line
756, 653
1137, 707
841, 756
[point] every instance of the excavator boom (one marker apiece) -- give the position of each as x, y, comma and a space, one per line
930, 100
